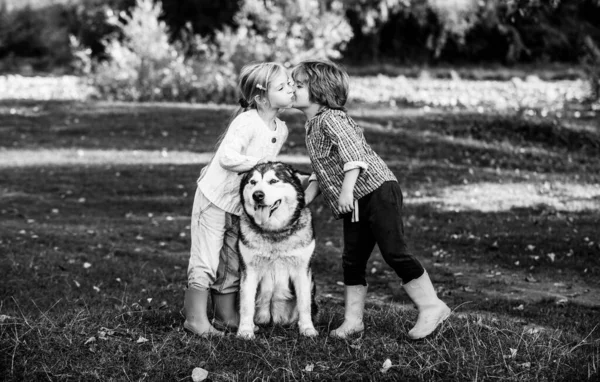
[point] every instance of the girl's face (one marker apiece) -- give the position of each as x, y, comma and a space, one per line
281, 92
301, 100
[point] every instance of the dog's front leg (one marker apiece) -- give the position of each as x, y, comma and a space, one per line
302, 283
248, 287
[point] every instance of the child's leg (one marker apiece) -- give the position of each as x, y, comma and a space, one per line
388, 228
196, 319
225, 289
207, 231
358, 245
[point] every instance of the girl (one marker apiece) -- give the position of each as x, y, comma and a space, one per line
255, 135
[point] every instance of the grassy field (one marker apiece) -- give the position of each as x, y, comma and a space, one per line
502, 209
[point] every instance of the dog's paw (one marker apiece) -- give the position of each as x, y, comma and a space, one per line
309, 332
246, 333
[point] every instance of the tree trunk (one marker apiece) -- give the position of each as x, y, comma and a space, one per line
593, 67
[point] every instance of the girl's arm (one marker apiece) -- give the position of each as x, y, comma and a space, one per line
236, 140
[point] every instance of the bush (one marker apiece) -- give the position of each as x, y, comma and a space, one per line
144, 66
40, 39
284, 31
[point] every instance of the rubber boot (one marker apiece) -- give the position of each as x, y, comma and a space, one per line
196, 319
227, 316
432, 310
354, 307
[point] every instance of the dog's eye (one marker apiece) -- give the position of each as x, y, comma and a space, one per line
273, 181
253, 182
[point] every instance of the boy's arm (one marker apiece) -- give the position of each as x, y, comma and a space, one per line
312, 190
342, 133
346, 200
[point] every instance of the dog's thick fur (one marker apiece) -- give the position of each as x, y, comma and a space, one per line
275, 245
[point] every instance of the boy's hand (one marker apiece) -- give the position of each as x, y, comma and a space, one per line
311, 192
346, 201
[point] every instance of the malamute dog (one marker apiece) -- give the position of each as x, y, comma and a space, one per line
276, 244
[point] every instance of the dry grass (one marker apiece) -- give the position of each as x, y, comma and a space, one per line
94, 221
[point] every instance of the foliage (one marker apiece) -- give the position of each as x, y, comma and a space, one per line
41, 38
405, 31
286, 31
355, 31
144, 66
201, 17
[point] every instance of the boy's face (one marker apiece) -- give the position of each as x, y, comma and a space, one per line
301, 100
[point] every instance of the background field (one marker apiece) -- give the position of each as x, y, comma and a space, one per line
502, 208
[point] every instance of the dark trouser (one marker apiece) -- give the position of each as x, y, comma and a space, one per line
380, 222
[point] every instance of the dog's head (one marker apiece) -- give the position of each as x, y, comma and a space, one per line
272, 195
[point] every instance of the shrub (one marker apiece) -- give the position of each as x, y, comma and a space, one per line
284, 31
144, 66
40, 38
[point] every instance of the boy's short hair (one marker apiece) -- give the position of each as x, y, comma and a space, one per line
328, 83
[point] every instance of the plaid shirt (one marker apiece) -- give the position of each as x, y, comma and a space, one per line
336, 144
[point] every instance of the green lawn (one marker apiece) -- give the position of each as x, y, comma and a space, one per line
502, 209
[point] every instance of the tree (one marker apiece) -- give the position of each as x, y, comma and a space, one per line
286, 31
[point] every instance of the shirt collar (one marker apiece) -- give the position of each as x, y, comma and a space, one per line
321, 111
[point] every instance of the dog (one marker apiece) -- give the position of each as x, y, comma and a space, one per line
276, 244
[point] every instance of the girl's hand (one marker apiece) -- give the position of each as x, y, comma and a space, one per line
346, 201
266, 159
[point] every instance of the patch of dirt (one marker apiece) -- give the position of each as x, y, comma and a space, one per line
478, 283
509, 285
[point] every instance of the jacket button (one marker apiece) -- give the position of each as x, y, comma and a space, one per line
274, 140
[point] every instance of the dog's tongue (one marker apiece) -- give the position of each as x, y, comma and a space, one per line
262, 214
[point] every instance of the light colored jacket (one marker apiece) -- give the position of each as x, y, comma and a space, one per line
248, 139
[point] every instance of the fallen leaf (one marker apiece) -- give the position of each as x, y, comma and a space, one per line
520, 307
386, 365
86, 265
90, 340
199, 374
533, 329
309, 367
551, 256
562, 301
141, 340
530, 279
513, 354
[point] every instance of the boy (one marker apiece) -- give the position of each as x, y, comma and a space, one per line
360, 188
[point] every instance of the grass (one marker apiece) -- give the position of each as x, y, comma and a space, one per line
94, 221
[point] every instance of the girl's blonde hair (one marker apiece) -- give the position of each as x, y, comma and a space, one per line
253, 85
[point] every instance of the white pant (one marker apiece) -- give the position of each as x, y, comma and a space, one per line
214, 260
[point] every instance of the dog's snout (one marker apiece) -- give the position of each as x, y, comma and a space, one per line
258, 196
